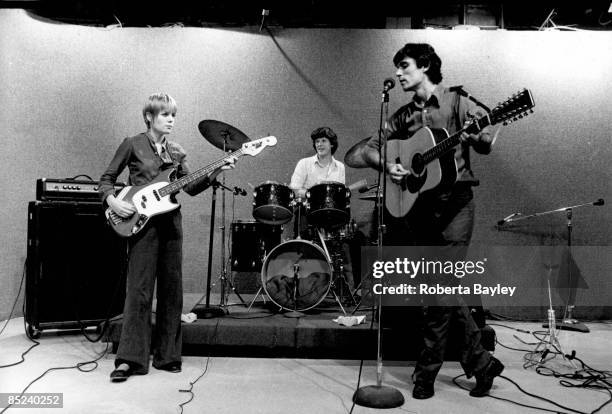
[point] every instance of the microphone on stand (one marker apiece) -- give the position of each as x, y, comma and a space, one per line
239, 191
388, 84
599, 202
368, 188
506, 219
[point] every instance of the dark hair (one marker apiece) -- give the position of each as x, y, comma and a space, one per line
425, 56
325, 132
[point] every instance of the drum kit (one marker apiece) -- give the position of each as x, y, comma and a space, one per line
299, 273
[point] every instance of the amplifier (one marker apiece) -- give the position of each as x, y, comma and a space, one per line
54, 189
75, 268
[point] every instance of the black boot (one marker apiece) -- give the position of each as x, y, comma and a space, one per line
422, 391
484, 378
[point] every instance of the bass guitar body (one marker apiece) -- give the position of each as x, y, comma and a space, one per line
146, 200
424, 176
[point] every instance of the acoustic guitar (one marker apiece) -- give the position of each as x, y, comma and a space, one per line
429, 154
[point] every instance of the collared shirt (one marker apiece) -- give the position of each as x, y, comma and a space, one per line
162, 149
309, 172
444, 109
144, 161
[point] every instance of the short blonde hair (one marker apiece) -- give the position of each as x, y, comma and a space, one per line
157, 103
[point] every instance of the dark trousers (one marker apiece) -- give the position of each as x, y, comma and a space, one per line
154, 252
443, 219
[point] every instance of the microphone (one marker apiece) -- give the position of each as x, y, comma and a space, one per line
599, 202
360, 186
388, 84
239, 191
459, 89
506, 219
368, 188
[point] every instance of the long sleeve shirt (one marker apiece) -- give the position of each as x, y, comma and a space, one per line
145, 161
309, 172
444, 109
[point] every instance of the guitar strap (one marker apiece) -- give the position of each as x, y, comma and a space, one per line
464, 147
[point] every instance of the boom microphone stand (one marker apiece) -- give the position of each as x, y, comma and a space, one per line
568, 322
380, 396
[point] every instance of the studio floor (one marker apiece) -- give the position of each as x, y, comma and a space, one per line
283, 385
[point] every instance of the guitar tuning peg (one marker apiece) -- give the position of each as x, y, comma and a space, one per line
520, 116
531, 111
505, 123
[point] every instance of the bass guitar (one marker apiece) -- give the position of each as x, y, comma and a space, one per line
155, 198
428, 154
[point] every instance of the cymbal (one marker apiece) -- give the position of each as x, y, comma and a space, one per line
353, 158
218, 133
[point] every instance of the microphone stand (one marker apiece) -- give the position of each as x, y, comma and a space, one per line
380, 396
568, 323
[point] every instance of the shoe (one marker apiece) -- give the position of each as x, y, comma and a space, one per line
484, 378
423, 391
121, 374
171, 367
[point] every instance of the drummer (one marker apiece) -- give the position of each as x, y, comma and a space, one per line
319, 168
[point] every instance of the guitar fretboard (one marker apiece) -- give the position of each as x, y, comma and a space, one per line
449, 143
177, 185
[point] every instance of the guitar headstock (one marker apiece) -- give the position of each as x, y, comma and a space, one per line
514, 108
255, 147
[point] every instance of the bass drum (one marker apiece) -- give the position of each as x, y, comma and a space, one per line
296, 275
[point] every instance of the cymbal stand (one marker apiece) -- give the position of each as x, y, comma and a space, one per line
225, 281
206, 311
380, 396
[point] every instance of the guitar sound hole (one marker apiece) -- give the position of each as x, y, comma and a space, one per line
417, 164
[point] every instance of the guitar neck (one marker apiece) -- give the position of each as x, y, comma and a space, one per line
178, 185
449, 143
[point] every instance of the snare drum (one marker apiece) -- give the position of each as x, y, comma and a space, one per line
296, 275
328, 204
272, 203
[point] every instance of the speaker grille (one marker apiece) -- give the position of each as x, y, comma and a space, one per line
75, 265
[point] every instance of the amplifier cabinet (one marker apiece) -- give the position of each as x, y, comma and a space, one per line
75, 268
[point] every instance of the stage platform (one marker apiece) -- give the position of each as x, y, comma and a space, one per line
263, 331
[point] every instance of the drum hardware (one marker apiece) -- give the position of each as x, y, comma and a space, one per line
226, 138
